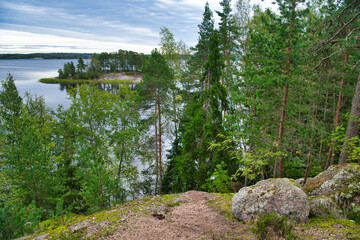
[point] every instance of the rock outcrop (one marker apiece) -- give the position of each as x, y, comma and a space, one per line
119, 76
335, 191
281, 195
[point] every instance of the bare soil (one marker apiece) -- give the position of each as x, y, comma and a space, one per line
194, 219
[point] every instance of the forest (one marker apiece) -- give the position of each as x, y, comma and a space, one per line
121, 61
261, 95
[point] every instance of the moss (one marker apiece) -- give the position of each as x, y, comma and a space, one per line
316, 182
294, 182
338, 228
222, 202
107, 221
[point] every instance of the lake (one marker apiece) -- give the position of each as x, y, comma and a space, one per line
27, 73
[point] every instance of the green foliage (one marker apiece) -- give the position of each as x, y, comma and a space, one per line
272, 226
10, 105
16, 218
219, 181
79, 161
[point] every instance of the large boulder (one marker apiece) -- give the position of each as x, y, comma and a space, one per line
335, 191
281, 195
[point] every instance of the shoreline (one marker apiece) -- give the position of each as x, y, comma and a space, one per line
75, 81
110, 78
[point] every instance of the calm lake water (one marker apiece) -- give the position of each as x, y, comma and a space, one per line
27, 73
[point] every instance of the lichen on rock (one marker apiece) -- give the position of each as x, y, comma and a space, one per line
281, 195
341, 184
323, 206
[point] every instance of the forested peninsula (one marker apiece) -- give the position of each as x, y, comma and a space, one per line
114, 68
254, 131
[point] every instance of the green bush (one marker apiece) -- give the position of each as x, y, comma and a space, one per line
220, 181
272, 226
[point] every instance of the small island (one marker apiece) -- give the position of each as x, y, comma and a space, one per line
108, 78
121, 67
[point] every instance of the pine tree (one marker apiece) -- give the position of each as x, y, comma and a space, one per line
157, 79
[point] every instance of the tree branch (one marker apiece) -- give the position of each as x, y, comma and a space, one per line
342, 28
352, 31
347, 8
325, 58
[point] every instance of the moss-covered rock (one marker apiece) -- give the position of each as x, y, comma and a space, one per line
339, 184
323, 206
281, 195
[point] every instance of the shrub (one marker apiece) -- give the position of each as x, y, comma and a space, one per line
272, 226
220, 181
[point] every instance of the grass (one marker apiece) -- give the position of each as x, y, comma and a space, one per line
222, 202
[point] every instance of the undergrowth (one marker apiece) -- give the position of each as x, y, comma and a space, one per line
272, 226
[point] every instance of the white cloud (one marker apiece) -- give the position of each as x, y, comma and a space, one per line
61, 19
21, 42
200, 4
24, 8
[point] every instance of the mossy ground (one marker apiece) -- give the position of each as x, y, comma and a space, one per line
103, 223
328, 228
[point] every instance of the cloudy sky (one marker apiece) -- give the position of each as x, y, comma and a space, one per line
28, 26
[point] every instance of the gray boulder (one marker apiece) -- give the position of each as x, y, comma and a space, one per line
322, 206
281, 195
340, 184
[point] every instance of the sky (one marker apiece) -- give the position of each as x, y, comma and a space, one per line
88, 26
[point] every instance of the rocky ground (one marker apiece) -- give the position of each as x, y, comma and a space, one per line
120, 76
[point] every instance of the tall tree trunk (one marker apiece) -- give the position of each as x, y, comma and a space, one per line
160, 149
280, 159
156, 149
353, 125
331, 154
121, 159
308, 163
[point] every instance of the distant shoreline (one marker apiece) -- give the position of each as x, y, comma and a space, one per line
44, 56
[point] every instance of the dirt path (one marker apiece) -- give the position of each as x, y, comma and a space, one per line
193, 219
